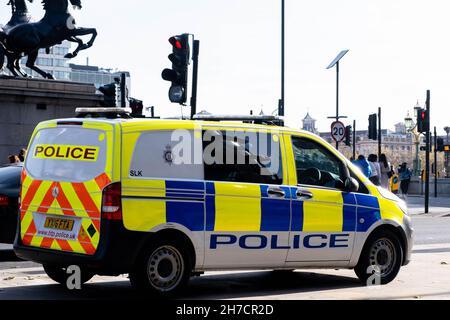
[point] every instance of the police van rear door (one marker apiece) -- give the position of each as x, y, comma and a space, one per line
67, 167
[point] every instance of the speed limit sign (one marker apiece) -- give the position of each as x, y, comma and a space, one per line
338, 131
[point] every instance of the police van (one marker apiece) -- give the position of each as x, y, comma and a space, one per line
163, 200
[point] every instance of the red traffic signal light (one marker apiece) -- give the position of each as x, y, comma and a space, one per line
178, 74
176, 42
423, 121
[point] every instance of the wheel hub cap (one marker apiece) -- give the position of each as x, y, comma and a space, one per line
383, 256
165, 268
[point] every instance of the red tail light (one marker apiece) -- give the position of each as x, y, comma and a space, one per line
4, 201
112, 202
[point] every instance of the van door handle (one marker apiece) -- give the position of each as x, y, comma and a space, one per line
304, 194
276, 193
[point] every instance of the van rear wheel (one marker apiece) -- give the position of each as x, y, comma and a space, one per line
164, 268
60, 275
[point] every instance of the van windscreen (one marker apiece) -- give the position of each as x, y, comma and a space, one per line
67, 154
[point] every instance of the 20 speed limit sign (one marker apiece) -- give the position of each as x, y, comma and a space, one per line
338, 131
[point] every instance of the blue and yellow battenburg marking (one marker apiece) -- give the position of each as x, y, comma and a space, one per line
219, 206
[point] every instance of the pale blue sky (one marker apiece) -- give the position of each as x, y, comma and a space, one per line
398, 50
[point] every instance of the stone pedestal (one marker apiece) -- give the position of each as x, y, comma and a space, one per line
26, 102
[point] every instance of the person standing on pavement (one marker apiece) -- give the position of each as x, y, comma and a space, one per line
386, 171
13, 159
22, 154
405, 178
376, 170
363, 165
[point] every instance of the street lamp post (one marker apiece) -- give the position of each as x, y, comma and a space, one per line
335, 62
281, 102
447, 130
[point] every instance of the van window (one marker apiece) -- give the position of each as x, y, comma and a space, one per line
247, 157
317, 166
167, 154
67, 154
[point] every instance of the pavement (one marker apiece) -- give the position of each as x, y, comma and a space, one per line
439, 206
5, 246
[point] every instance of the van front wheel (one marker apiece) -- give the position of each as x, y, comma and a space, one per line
381, 259
163, 269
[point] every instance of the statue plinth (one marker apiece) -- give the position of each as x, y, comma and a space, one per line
26, 102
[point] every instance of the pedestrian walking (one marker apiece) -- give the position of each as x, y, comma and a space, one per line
405, 178
375, 177
363, 165
386, 171
22, 154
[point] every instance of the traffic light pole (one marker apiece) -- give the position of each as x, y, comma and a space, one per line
196, 52
354, 139
282, 101
123, 89
379, 133
435, 164
337, 98
427, 158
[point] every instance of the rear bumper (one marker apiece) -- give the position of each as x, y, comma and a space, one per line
116, 253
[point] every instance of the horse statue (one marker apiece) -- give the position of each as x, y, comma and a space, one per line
20, 15
56, 26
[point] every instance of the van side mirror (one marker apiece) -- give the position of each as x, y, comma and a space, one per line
351, 185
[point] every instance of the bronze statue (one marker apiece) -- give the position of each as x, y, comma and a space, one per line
25, 38
20, 15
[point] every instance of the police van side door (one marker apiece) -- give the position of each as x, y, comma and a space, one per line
323, 214
247, 211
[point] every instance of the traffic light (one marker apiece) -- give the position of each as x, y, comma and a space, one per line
373, 127
348, 135
423, 121
178, 75
110, 95
440, 144
137, 106
122, 91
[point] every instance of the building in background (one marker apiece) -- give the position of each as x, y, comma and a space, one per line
309, 124
53, 62
96, 75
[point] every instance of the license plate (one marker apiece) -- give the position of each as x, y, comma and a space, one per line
59, 224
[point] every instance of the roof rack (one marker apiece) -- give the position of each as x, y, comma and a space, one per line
256, 119
109, 113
